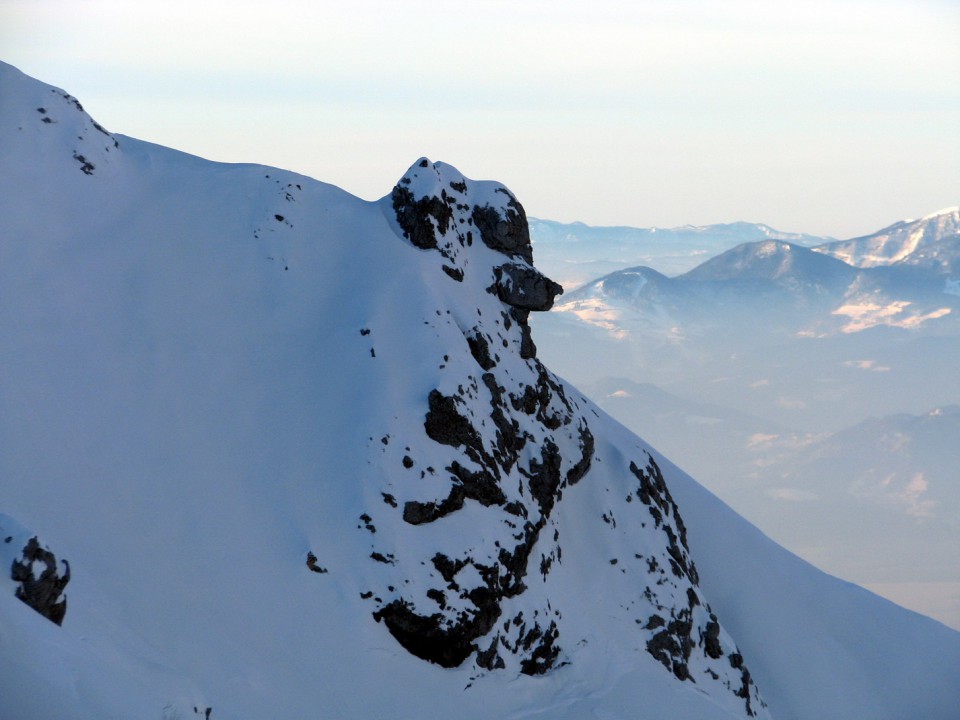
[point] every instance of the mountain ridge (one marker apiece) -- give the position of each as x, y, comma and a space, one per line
808, 291
895, 242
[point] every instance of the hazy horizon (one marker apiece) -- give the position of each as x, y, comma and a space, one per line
831, 118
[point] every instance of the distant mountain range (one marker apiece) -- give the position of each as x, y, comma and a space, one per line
574, 253
898, 242
790, 288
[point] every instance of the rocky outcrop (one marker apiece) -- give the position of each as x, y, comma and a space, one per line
437, 209
514, 439
524, 287
40, 581
504, 230
511, 443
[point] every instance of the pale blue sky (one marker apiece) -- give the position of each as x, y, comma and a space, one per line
825, 117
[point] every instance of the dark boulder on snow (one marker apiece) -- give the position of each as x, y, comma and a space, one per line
524, 287
43, 590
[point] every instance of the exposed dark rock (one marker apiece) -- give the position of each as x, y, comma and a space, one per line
744, 690
429, 638
528, 350
313, 564
447, 567
438, 597
672, 645
527, 402
418, 513
423, 636
711, 639
368, 523
545, 654
525, 287
545, 564
480, 349
446, 426
508, 234
515, 456
510, 440
420, 219
544, 477
478, 485
490, 659
455, 273
44, 593
86, 166
654, 493
576, 473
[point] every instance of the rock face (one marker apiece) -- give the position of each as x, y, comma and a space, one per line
434, 214
514, 441
523, 287
41, 583
504, 230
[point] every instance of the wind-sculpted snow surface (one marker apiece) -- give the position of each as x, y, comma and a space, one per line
304, 461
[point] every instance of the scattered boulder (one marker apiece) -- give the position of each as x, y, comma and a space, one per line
524, 287
42, 591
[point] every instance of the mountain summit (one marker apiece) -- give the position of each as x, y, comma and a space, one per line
275, 451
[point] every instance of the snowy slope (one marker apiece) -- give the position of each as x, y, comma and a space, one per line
303, 461
897, 242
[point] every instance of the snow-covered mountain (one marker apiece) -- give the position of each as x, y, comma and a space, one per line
575, 253
774, 284
942, 256
897, 242
288, 453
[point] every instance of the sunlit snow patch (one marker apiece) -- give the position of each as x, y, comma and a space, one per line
595, 312
871, 365
866, 315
